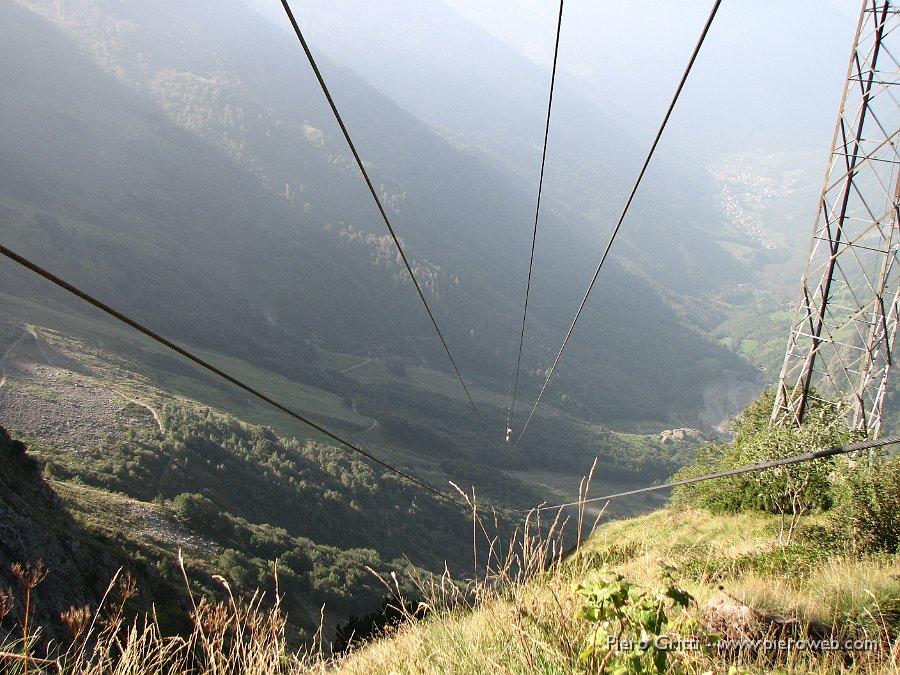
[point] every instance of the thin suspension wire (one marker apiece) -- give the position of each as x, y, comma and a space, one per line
634, 190
24, 262
381, 209
537, 213
796, 459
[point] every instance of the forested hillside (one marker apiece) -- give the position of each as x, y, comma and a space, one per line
128, 175
179, 162
141, 470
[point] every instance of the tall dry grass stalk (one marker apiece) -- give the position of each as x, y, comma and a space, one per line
517, 614
247, 635
241, 636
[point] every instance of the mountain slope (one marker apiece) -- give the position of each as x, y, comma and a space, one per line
132, 180
41, 530
751, 607
488, 97
146, 474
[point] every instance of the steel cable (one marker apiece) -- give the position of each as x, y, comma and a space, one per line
537, 212
381, 209
24, 262
618, 226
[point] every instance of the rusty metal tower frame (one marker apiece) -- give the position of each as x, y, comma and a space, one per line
840, 349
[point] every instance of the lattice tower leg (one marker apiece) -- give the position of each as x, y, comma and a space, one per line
840, 348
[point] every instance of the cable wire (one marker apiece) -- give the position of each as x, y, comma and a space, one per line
634, 190
381, 209
537, 213
24, 262
796, 459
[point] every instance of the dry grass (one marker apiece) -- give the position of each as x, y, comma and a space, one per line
528, 624
240, 636
519, 614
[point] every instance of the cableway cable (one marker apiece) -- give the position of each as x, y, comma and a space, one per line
618, 226
381, 209
796, 459
537, 213
24, 262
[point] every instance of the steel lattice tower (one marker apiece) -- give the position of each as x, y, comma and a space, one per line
841, 342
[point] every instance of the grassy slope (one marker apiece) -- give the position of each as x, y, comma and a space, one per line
533, 627
95, 409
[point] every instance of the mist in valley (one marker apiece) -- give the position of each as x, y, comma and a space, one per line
179, 162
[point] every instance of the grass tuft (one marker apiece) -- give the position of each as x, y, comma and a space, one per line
519, 612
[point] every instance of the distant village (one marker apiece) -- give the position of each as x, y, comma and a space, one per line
742, 187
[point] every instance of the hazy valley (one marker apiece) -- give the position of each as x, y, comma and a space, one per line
179, 162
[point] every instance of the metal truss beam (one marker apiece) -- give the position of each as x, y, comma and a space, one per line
840, 349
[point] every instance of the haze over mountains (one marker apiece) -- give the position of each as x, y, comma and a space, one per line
150, 99
627, 57
178, 161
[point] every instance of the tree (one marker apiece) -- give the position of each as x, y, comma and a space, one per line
200, 514
870, 503
790, 491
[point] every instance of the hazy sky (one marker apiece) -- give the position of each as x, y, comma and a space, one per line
524, 24
770, 74
759, 55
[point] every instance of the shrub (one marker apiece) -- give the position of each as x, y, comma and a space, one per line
789, 491
870, 504
200, 514
725, 495
627, 621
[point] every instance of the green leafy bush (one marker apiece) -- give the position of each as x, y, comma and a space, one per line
790, 491
724, 495
199, 514
870, 504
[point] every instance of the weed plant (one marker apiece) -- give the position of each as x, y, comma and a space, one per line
654, 584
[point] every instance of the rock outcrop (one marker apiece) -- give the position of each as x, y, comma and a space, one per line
35, 529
